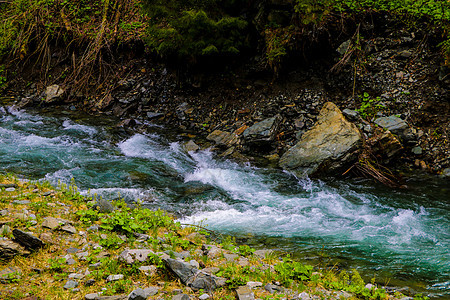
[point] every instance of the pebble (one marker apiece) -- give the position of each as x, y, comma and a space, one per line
91, 296
114, 277
10, 189
70, 284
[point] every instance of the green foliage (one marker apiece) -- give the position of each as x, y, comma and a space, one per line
246, 250
290, 270
57, 264
193, 29
113, 241
369, 106
278, 42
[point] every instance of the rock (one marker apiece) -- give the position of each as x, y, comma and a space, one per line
104, 206
70, 284
52, 223
8, 185
192, 277
211, 250
211, 270
344, 47
53, 93
305, 296
332, 143
393, 124
223, 138
92, 296
194, 263
386, 146
114, 277
262, 253
148, 270
21, 202
68, 228
137, 294
9, 249
75, 276
417, 150
254, 284
262, 133
47, 238
191, 146
10, 189
130, 256
9, 274
181, 297
245, 293
115, 297
151, 291
446, 172
351, 115
204, 297
27, 239
154, 115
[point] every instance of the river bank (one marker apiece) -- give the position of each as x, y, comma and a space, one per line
58, 244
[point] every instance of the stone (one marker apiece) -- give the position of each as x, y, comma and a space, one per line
344, 47
148, 270
10, 189
151, 291
93, 228
211, 270
8, 185
154, 115
262, 133
212, 251
53, 93
137, 294
417, 150
223, 138
262, 253
72, 250
254, 284
21, 202
130, 256
28, 240
446, 172
47, 237
75, 276
231, 257
181, 297
204, 297
192, 277
52, 223
9, 249
351, 115
70, 284
191, 146
10, 273
68, 228
194, 263
330, 145
114, 277
92, 296
82, 255
115, 297
245, 293
393, 124
305, 296
386, 146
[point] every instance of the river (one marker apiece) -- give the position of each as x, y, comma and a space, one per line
400, 236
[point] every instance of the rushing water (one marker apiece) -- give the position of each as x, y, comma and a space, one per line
401, 236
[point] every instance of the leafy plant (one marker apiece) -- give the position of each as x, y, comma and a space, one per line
289, 270
369, 106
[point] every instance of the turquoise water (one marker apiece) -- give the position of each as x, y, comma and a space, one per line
402, 236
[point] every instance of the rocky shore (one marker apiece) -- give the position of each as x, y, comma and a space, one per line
58, 244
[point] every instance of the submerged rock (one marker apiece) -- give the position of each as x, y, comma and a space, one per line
332, 143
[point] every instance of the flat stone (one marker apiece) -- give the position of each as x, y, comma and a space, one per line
69, 228
181, 297
204, 297
47, 237
27, 239
114, 277
223, 138
10, 189
72, 250
191, 146
130, 256
116, 297
230, 257
211, 270
9, 249
305, 296
151, 291
137, 294
350, 114
70, 284
21, 202
92, 296
245, 293
254, 284
262, 253
53, 93
393, 124
82, 255
52, 223
154, 115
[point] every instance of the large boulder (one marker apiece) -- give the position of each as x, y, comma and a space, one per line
331, 144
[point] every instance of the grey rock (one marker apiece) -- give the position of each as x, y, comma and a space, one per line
191, 146
21, 202
93, 228
351, 115
8, 185
223, 138
231, 257
10, 273
53, 93
194, 263
181, 297
70, 284
204, 297
9, 249
115, 297
304, 296
151, 291
148, 270
262, 253
130, 256
393, 124
344, 47
3, 212
92, 296
75, 276
245, 293
137, 294
332, 143
114, 277
254, 284
446, 172
27, 239
11, 189
417, 150
154, 115
211, 270
192, 277
262, 133
211, 250
82, 255
72, 250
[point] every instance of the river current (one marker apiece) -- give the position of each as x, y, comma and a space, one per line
400, 236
